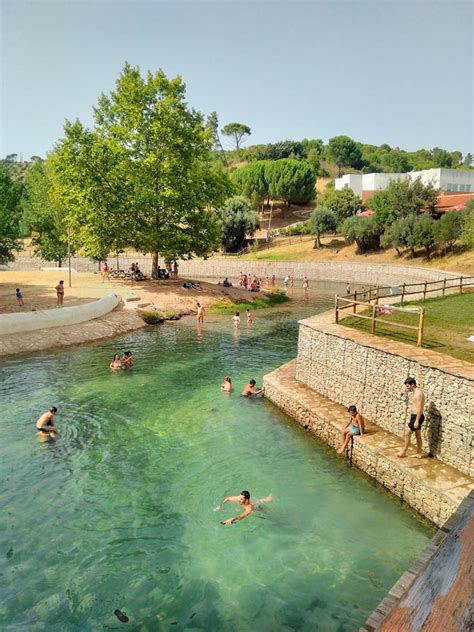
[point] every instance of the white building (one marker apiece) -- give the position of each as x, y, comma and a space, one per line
364, 185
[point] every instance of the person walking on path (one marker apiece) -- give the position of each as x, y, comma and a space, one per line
60, 294
273, 279
19, 297
416, 418
305, 284
105, 272
200, 313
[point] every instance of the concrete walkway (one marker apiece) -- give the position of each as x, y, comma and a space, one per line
430, 486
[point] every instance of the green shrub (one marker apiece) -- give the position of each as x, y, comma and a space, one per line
150, 316
448, 228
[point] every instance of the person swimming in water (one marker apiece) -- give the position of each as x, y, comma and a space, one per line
116, 363
250, 389
244, 502
226, 386
45, 424
128, 360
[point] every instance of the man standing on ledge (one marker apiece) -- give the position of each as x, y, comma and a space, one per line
416, 418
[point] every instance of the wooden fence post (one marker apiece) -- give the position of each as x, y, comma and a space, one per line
460, 284
444, 286
421, 326
337, 306
372, 325
403, 293
354, 306
424, 291
370, 294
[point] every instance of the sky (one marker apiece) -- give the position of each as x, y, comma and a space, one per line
379, 71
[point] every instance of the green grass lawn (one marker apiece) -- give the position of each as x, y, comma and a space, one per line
449, 321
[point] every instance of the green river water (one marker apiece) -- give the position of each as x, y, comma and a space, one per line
118, 513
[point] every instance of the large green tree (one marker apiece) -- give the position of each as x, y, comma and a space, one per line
345, 152
143, 176
402, 198
322, 220
10, 215
251, 181
43, 214
237, 131
237, 221
342, 202
292, 181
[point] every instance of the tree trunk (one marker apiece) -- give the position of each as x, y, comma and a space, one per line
317, 242
398, 251
154, 266
60, 263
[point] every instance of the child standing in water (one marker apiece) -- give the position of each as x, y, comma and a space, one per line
249, 317
236, 319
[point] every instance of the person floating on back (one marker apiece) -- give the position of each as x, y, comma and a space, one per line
355, 426
416, 418
244, 501
19, 297
250, 390
45, 424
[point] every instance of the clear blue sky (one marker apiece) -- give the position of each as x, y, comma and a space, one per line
378, 71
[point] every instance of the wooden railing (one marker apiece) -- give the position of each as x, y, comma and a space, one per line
423, 287
375, 309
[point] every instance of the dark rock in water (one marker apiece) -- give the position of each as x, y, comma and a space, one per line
121, 615
9, 553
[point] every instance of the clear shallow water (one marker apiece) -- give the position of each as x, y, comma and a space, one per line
119, 512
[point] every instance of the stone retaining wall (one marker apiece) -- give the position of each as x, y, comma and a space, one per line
217, 267
431, 500
349, 372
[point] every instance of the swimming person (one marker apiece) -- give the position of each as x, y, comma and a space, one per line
244, 501
128, 360
45, 424
250, 389
355, 426
416, 418
116, 363
227, 384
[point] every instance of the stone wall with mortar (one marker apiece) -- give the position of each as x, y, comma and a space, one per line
349, 372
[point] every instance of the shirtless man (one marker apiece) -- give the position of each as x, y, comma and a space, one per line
244, 501
250, 389
45, 424
416, 418
200, 313
128, 360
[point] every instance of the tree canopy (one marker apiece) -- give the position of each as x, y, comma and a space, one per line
237, 131
143, 176
345, 152
237, 220
10, 215
402, 198
322, 220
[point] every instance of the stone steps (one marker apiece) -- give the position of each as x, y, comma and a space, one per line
433, 488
